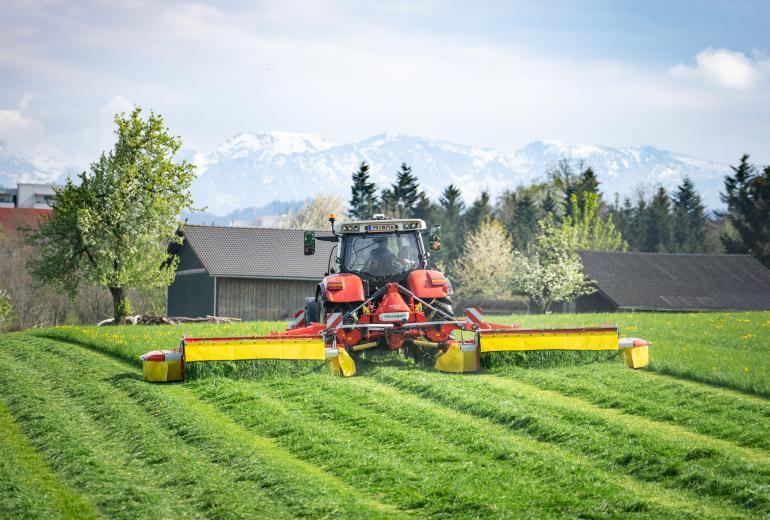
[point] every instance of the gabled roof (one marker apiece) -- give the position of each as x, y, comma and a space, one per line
239, 252
661, 281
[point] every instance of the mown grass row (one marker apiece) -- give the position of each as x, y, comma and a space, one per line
640, 448
173, 455
28, 487
400, 448
709, 410
417, 459
285, 439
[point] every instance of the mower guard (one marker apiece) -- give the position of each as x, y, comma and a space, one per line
254, 347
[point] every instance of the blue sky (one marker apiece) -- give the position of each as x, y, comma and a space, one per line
688, 76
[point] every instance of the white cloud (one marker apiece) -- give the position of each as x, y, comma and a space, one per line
12, 121
117, 104
724, 68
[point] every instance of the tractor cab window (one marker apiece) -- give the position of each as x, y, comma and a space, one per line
382, 255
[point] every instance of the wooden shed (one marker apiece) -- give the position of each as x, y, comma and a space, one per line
673, 282
247, 273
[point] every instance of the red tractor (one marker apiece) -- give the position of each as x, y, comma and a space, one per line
379, 284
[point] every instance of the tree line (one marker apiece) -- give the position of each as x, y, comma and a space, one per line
537, 223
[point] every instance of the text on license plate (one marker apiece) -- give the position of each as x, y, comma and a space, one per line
381, 227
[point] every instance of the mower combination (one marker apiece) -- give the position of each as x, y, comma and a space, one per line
379, 294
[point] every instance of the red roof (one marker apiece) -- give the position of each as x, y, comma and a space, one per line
13, 218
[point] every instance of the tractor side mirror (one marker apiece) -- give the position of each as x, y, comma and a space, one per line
434, 238
309, 243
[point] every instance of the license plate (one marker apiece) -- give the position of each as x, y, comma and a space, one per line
381, 227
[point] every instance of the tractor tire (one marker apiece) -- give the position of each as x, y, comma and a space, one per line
311, 310
442, 304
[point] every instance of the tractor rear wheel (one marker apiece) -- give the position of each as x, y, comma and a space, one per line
311, 310
442, 304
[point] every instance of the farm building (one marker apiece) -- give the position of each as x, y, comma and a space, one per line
674, 282
247, 273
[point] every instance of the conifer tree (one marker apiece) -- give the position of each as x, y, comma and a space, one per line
424, 208
689, 216
451, 202
587, 183
402, 197
747, 195
451, 207
622, 216
741, 214
760, 193
659, 222
479, 212
526, 218
638, 225
363, 199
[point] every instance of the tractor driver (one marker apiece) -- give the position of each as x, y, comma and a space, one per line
382, 261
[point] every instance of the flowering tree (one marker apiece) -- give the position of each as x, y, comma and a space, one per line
485, 267
113, 228
548, 281
553, 272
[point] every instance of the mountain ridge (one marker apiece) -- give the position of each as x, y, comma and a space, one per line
229, 182
254, 169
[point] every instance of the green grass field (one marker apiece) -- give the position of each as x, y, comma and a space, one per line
536, 435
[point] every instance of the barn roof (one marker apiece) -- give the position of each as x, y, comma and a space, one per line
662, 281
240, 252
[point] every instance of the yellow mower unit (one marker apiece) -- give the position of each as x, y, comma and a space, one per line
162, 366
328, 342
256, 347
516, 339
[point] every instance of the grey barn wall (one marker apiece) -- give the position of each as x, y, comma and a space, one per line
261, 299
596, 302
191, 295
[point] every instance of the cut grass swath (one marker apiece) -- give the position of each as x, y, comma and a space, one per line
432, 439
228, 470
647, 455
702, 408
28, 487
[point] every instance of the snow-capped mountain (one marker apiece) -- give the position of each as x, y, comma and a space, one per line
252, 170
16, 167
255, 169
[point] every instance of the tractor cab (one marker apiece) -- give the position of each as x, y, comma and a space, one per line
379, 250
372, 254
